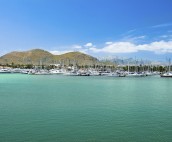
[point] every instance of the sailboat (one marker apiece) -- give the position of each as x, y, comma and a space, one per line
169, 73
39, 71
134, 74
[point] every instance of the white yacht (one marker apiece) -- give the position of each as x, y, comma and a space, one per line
94, 73
16, 70
56, 71
42, 72
147, 73
31, 72
24, 71
169, 73
122, 74
5, 71
38, 72
71, 73
105, 73
114, 74
83, 73
135, 74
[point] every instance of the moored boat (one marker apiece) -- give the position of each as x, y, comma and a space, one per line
114, 74
5, 71
56, 71
135, 74
168, 74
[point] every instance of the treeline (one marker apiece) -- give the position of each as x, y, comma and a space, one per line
28, 66
31, 66
158, 68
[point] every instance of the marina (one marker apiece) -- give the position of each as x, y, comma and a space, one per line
83, 72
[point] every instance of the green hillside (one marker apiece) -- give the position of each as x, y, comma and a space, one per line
37, 56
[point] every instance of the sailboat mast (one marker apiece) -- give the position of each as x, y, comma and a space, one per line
135, 66
169, 65
40, 64
128, 68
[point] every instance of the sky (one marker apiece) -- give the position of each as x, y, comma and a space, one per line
102, 28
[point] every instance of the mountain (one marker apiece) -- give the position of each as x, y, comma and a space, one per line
76, 57
39, 56
130, 61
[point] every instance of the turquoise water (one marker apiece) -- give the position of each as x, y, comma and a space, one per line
85, 109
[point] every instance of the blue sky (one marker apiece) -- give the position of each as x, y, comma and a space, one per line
125, 28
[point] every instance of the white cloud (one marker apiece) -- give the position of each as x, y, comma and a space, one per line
129, 32
169, 37
72, 48
76, 46
140, 37
164, 36
162, 25
55, 52
117, 47
129, 47
83, 51
157, 47
134, 39
109, 42
88, 44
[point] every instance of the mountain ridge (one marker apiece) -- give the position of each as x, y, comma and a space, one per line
35, 56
